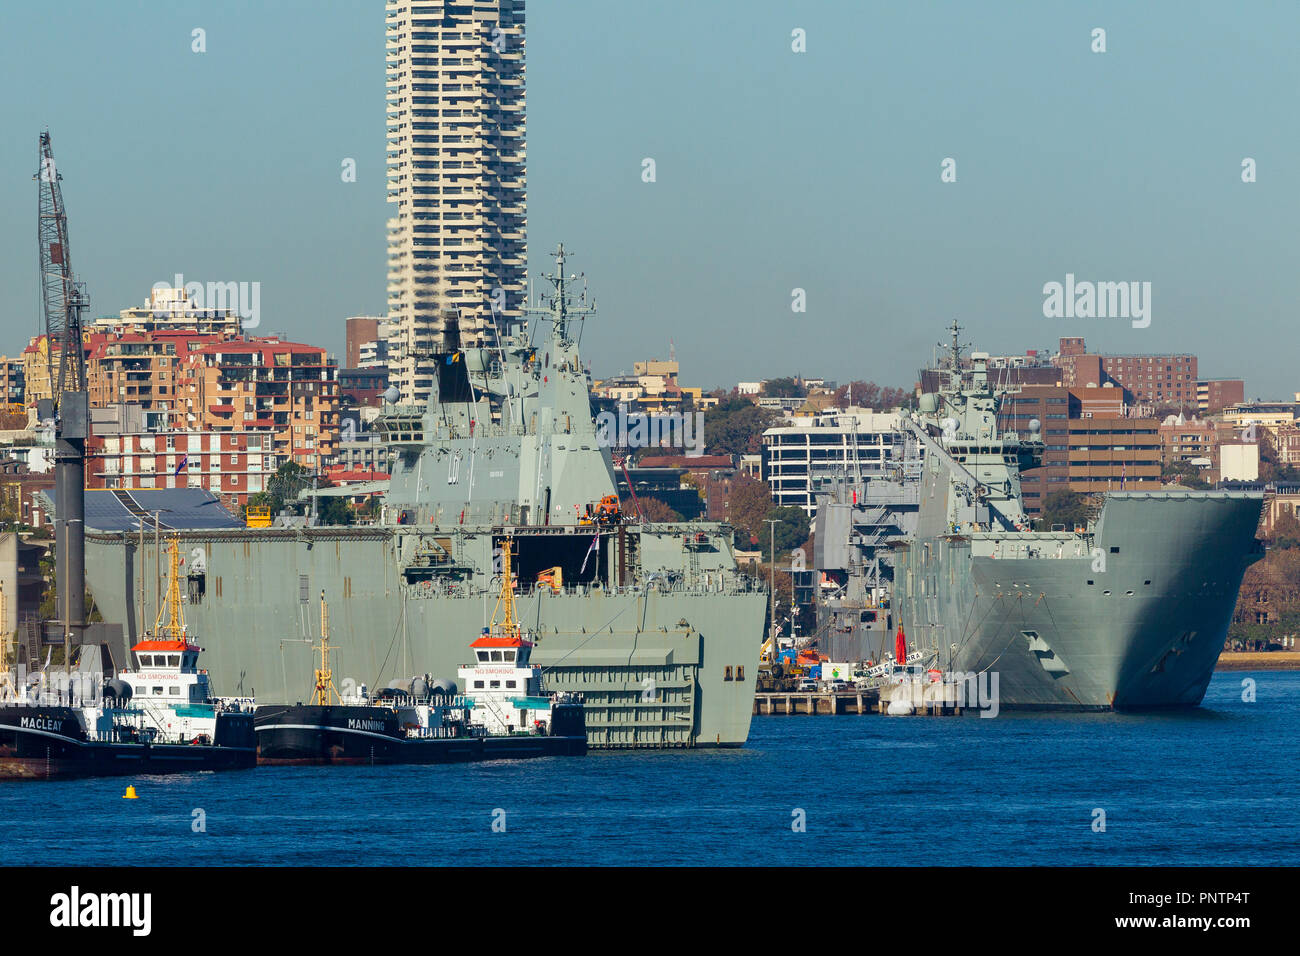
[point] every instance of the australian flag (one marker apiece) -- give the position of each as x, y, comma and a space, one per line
181, 467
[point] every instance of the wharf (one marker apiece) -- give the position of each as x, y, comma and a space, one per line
785, 703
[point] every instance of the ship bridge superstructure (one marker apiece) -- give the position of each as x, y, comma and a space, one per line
958, 426
508, 435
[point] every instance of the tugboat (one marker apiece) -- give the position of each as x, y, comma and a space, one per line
158, 717
421, 721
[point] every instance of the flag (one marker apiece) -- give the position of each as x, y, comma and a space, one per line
179, 468
595, 543
900, 646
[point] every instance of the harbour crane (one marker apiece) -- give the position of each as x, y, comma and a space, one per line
64, 300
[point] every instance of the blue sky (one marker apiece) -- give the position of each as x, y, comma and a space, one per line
775, 171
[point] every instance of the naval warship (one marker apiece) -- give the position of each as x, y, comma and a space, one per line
653, 624
1127, 611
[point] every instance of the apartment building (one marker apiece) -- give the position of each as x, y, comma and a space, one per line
285, 388
456, 177
1089, 446
230, 464
12, 381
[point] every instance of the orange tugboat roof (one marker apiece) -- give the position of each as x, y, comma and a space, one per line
500, 642
166, 646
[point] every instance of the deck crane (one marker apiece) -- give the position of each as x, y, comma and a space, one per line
64, 300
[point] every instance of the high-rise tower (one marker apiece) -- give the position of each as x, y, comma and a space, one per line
457, 254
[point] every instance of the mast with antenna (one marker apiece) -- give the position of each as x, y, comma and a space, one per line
561, 304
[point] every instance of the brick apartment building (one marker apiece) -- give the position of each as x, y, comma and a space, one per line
1089, 446
232, 465
285, 388
1154, 380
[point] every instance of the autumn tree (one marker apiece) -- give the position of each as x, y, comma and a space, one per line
652, 509
747, 506
871, 395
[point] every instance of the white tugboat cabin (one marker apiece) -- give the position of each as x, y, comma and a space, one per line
166, 695
504, 687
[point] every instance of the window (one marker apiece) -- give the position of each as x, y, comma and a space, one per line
726, 672
146, 660
740, 672
478, 685
174, 691
157, 691
496, 684
510, 684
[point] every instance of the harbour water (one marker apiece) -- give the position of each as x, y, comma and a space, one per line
1214, 786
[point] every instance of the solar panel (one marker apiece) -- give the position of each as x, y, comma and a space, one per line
178, 508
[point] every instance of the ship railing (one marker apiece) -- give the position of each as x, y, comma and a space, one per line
444, 732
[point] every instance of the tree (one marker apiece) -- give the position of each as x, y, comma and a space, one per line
1184, 473
1285, 533
871, 395
1271, 467
790, 531
735, 426
1069, 508
783, 388
282, 489
748, 504
334, 511
654, 509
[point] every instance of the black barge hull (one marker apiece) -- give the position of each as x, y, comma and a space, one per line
46, 743
309, 735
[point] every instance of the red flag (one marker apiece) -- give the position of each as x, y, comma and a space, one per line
900, 646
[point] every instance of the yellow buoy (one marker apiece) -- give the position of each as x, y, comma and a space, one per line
130, 794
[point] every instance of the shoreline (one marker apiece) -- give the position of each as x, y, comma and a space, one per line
1259, 661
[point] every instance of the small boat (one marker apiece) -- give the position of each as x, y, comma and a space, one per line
503, 714
159, 716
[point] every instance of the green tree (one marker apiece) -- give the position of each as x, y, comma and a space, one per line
282, 490
783, 388
735, 426
1184, 473
334, 511
790, 531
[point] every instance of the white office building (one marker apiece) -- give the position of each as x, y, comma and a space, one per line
853, 445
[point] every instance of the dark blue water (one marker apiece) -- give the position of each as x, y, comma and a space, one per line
1215, 786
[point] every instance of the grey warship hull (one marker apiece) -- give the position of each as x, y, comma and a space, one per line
651, 623
670, 663
1129, 610
1061, 632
